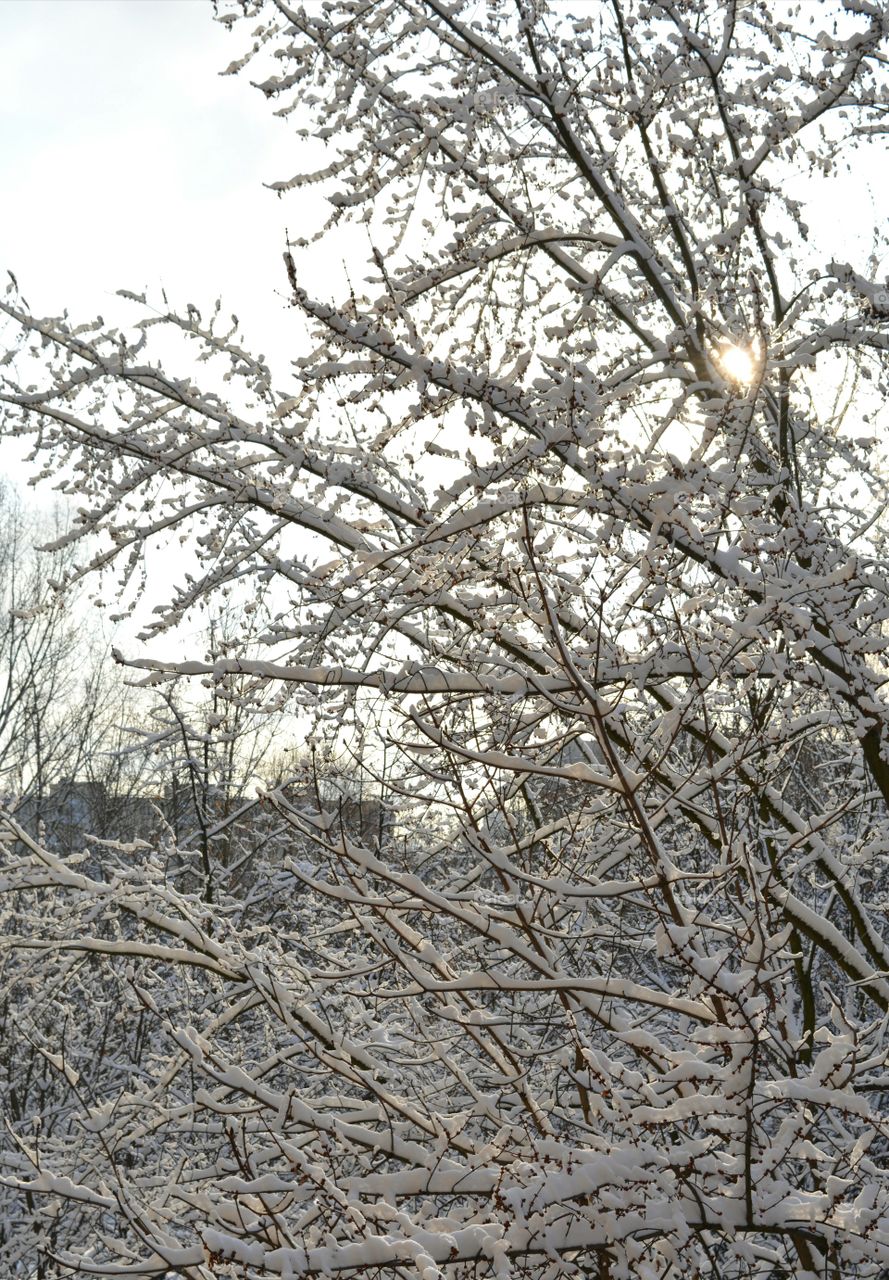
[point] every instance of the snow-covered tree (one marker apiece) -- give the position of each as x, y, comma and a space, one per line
62, 707
573, 508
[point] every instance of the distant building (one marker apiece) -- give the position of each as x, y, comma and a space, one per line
233, 830
75, 808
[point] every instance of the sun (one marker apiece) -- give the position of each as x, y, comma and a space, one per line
738, 363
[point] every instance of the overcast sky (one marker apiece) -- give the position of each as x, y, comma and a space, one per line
127, 161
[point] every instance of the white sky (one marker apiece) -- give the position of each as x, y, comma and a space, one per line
127, 161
